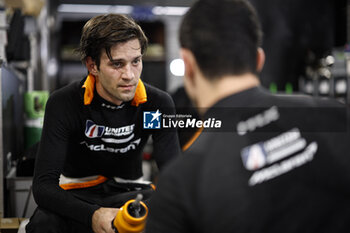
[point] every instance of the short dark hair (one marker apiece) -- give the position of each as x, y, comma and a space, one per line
104, 31
223, 35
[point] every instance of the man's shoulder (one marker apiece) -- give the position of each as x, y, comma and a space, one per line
67, 94
68, 88
157, 96
301, 100
203, 147
154, 91
185, 163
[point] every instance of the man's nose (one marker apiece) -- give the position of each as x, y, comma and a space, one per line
127, 72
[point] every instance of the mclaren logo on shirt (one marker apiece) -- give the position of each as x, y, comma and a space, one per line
102, 147
92, 130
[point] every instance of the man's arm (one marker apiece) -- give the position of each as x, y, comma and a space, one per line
167, 207
50, 161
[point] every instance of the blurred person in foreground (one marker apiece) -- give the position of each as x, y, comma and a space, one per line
278, 163
90, 155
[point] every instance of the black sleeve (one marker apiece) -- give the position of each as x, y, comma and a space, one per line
50, 160
167, 210
165, 141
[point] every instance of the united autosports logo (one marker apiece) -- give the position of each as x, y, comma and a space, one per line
277, 156
254, 157
152, 119
92, 130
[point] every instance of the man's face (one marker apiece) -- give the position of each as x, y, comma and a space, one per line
116, 79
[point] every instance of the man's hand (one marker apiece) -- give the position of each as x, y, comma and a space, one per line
102, 220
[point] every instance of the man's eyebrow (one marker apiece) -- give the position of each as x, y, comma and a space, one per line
122, 59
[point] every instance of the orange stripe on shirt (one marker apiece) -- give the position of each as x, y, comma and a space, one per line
193, 139
87, 184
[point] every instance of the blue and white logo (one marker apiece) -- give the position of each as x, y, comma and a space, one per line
254, 157
92, 130
151, 120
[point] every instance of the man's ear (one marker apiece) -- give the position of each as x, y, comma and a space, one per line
189, 62
91, 66
190, 73
260, 59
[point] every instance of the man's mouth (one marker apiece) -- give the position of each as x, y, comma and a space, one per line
126, 87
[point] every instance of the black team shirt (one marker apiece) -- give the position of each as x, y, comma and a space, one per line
99, 138
278, 164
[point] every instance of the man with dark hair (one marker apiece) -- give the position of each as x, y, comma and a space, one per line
90, 156
277, 164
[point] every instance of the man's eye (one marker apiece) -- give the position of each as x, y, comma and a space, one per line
137, 61
117, 64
